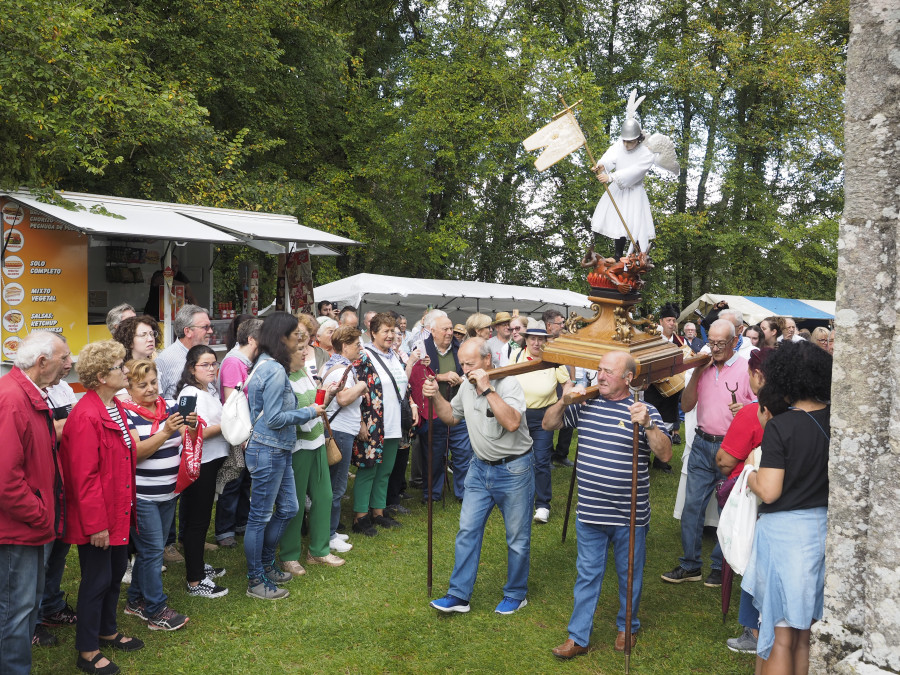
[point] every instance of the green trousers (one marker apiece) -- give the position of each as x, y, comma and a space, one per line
371, 484
311, 476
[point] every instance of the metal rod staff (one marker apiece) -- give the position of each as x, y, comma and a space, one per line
429, 411
571, 491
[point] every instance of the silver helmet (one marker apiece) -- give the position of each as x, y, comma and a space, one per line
631, 128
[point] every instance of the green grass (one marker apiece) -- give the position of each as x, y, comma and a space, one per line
372, 614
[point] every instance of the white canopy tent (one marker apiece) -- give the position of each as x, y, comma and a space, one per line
755, 309
411, 297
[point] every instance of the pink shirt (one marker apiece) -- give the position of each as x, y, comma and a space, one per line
232, 373
714, 397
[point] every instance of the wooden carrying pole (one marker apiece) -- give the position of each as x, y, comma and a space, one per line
629, 583
571, 491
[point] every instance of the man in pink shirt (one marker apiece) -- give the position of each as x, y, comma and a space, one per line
718, 390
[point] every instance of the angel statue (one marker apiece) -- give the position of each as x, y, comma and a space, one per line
622, 168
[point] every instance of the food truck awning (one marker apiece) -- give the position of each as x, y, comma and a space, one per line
142, 219
133, 222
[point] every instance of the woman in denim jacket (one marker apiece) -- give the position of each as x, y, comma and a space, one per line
273, 499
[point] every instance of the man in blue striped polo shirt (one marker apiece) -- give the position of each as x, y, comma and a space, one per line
603, 469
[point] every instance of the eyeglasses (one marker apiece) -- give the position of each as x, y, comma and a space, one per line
121, 367
517, 329
556, 323
721, 344
825, 341
208, 366
206, 328
154, 333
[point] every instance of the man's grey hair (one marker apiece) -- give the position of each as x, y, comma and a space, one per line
433, 316
689, 324
185, 318
484, 349
36, 344
738, 315
114, 316
248, 329
723, 322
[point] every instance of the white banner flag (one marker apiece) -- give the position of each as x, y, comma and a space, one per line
560, 138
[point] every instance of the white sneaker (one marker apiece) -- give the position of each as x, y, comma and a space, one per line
126, 578
339, 545
541, 515
342, 536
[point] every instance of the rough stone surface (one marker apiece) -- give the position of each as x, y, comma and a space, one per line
860, 632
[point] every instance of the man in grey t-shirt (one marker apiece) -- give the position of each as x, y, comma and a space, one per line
501, 473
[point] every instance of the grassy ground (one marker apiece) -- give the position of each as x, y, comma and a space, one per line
372, 614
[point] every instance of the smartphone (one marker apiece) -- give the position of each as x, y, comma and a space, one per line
187, 405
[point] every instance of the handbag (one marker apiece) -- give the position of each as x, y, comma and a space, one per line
236, 424
737, 523
332, 450
406, 416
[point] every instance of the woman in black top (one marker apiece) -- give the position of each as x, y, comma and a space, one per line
786, 573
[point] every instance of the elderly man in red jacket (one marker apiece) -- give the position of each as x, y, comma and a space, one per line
31, 490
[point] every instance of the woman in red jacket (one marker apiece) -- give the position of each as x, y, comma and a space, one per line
98, 460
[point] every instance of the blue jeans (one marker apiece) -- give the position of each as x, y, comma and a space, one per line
702, 476
153, 522
339, 477
511, 487
445, 438
21, 588
543, 452
272, 488
232, 507
748, 615
593, 542
54, 599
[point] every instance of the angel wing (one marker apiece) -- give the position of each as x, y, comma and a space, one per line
664, 148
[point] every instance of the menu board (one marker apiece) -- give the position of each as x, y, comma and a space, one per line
44, 278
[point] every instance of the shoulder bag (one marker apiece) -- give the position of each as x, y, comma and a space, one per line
236, 424
406, 416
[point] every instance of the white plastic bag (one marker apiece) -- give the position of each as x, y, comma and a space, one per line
236, 424
737, 523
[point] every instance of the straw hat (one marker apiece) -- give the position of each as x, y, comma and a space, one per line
536, 328
501, 317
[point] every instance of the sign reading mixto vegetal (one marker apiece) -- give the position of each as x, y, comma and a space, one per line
44, 278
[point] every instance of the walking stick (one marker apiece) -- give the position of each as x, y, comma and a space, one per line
429, 410
629, 584
569, 501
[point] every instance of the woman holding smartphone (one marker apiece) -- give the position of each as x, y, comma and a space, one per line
197, 390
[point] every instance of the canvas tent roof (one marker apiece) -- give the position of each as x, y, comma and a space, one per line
755, 308
142, 219
375, 292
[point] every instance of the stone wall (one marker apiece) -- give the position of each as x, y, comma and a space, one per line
860, 632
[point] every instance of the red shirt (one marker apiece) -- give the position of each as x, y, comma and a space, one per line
743, 436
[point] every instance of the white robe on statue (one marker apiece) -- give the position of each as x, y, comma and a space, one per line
627, 170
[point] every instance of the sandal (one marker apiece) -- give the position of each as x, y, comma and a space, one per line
91, 666
119, 642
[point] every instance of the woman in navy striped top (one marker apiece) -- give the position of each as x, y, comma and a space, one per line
157, 427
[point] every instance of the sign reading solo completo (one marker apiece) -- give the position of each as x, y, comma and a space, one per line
44, 278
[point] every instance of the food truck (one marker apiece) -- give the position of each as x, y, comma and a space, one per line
66, 264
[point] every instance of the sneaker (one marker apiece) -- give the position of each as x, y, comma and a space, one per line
450, 603
364, 526
679, 574
509, 605
213, 572
342, 536
541, 515
167, 619
171, 554
714, 580
386, 522
394, 509
207, 546
206, 589
263, 589
331, 560
560, 460
126, 578
339, 545
228, 542
64, 617
138, 609
293, 567
745, 644
163, 568
43, 637
276, 576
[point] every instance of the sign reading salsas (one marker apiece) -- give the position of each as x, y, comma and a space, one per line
43, 277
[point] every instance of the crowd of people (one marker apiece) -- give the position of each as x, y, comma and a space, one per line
108, 472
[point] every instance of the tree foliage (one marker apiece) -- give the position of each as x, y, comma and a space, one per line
399, 123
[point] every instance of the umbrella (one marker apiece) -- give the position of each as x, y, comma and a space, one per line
727, 581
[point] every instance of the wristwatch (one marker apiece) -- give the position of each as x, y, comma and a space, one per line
489, 390
650, 426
